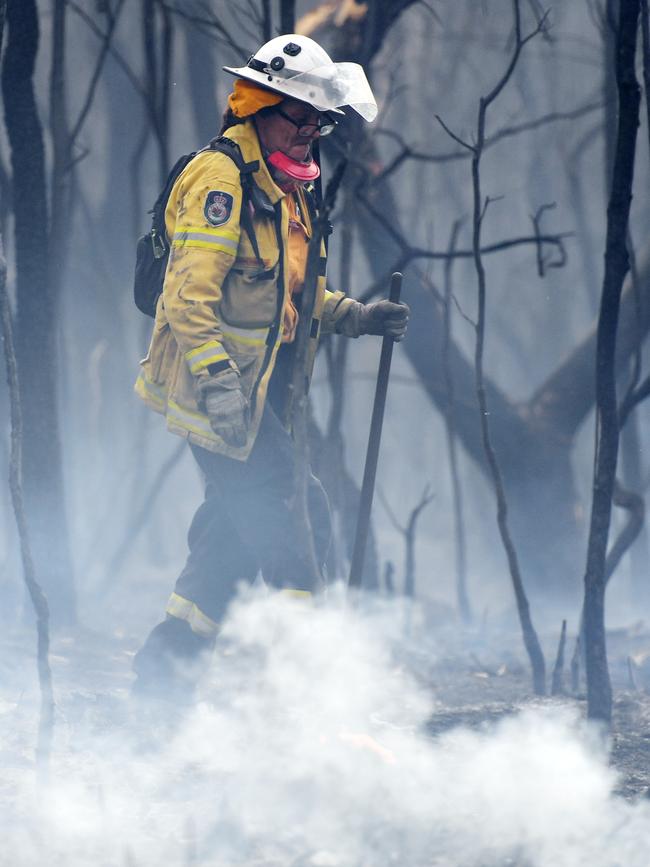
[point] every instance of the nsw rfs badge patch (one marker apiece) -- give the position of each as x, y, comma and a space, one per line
218, 207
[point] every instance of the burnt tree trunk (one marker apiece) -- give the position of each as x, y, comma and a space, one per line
631, 468
599, 693
36, 319
201, 59
287, 16
39, 600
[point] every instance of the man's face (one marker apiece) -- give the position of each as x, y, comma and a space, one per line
278, 133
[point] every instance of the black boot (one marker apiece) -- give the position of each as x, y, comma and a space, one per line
170, 662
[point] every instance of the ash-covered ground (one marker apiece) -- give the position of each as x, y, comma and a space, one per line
325, 736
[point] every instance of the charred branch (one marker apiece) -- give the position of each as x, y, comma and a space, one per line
209, 22
407, 152
408, 531
543, 262
115, 54
410, 253
635, 505
632, 399
112, 20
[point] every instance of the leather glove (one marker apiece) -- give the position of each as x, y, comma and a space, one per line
227, 408
381, 317
384, 317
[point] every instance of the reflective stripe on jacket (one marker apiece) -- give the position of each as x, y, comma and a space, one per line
217, 303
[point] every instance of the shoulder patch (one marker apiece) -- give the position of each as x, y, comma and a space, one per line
218, 207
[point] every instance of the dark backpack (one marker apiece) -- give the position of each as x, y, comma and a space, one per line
152, 252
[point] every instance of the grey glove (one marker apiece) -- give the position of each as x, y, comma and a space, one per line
384, 317
227, 408
381, 317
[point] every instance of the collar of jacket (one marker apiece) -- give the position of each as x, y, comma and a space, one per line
246, 137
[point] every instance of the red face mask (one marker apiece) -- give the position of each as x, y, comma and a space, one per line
294, 169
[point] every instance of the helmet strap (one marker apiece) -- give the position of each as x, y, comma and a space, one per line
293, 168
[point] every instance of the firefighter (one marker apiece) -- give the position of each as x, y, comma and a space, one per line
220, 356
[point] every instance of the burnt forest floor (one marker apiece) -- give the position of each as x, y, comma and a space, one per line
477, 694
92, 675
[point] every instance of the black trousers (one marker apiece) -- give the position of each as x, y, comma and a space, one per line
246, 523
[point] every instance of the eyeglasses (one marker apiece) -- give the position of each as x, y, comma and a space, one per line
324, 127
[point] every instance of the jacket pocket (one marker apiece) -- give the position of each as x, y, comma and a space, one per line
250, 297
162, 352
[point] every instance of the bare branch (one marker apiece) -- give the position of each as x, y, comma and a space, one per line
453, 135
431, 11
209, 23
119, 59
94, 79
426, 497
536, 219
488, 201
243, 18
408, 532
410, 253
632, 399
519, 45
409, 152
635, 505
529, 634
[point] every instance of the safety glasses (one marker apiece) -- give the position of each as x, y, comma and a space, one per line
325, 127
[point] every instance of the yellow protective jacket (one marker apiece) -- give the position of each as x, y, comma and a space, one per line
216, 305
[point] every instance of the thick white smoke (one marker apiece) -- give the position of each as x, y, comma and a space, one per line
310, 748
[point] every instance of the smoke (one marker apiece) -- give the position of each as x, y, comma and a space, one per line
309, 746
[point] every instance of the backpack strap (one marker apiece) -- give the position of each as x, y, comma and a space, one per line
157, 234
251, 192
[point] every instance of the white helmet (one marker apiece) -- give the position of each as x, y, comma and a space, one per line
298, 67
